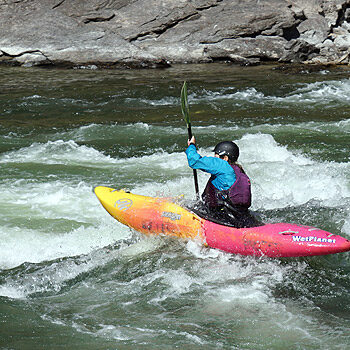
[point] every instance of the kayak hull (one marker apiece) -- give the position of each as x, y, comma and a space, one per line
163, 216
274, 240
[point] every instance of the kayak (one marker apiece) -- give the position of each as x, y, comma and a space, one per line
167, 216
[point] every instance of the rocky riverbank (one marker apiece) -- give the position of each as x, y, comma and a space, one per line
153, 33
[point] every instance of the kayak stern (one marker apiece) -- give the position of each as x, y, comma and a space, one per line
275, 240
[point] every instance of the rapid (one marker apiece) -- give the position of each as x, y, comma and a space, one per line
73, 277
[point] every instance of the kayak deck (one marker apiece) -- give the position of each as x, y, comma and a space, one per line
224, 220
149, 214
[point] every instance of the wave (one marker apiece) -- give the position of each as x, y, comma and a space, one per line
60, 212
57, 152
277, 171
325, 93
117, 131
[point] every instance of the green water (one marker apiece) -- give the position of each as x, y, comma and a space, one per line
72, 277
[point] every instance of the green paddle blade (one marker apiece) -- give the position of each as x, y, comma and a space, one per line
184, 104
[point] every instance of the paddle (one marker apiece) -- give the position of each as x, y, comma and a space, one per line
186, 114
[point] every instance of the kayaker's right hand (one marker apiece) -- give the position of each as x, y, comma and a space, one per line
192, 141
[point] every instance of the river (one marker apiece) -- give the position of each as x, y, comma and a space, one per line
71, 277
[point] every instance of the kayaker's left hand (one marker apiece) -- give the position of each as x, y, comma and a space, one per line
192, 141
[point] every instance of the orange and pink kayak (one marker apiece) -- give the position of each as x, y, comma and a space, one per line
164, 216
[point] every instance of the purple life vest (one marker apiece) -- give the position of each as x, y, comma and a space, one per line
239, 194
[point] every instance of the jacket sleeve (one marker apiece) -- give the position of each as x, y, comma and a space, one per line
210, 165
223, 174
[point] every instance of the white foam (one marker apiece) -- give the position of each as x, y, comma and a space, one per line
165, 101
25, 245
178, 283
323, 92
346, 226
59, 205
57, 152
51, 200
84, 248
280, 178
113, 332
306, 94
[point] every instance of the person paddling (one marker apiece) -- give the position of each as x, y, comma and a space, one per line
227, 195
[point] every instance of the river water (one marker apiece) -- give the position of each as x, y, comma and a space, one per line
71, 277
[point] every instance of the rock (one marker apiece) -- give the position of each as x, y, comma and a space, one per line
299, 51
152, 33
334, 11
261, 48
342, 42
33, 59
314, 30
307, 8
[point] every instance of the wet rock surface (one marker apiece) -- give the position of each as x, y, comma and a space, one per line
152, 33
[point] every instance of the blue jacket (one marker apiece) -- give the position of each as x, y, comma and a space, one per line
223, 176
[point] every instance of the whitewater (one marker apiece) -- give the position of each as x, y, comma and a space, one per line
70, 271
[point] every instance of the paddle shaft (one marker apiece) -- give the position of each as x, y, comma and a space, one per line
194, 170
186, 114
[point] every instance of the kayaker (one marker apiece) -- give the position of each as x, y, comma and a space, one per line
227, 195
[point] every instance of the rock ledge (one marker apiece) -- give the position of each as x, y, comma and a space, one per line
150, 33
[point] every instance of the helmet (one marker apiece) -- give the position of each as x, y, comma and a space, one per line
227, 148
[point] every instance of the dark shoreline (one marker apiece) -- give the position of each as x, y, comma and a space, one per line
287, 68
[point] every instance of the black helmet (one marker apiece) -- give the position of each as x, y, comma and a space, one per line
227, 148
